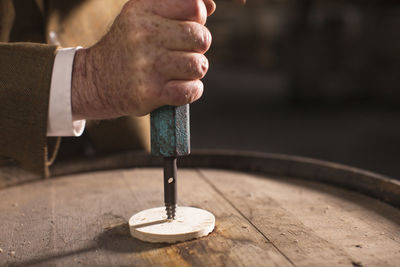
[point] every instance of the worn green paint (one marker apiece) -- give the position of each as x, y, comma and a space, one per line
170, 131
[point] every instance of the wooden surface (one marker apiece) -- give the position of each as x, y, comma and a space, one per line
260, 221
366, 182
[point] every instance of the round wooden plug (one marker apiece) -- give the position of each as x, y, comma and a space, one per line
152, 225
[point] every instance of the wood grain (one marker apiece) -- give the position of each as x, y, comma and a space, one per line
314, 224
368, 183
260, 221
82, 220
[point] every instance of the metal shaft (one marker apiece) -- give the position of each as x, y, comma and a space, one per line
170, 194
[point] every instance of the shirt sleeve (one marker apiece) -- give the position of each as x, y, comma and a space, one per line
60, 121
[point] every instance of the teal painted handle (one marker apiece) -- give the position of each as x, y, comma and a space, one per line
170, 131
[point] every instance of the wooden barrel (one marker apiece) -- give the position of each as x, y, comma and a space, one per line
271, 210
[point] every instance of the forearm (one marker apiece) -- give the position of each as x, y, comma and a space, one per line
79, 86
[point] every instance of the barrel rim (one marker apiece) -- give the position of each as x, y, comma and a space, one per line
366, 182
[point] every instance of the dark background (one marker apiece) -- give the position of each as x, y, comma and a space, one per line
311, 78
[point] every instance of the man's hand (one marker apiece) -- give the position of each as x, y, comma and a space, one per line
152, 56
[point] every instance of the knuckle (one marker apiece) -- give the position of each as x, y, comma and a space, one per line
186, 95
198, 65
188, 29
192, 66
196, 91
207, 38
181, 94
197, 35
203, 39
190, 93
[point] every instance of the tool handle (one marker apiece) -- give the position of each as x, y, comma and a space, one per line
170, 131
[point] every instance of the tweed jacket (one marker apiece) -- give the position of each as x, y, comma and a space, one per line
30, 32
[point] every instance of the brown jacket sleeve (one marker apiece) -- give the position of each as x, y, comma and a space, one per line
25, 76
25, 68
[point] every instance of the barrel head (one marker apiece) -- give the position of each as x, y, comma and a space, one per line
170, 131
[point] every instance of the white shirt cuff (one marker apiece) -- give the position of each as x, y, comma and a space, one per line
60, 121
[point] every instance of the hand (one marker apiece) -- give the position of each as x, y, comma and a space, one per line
153, 55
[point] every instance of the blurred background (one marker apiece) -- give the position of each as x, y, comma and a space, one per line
314, 78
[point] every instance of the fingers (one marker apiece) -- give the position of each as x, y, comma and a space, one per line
211, 6
186, 36
178, 93
192, 10
182, 66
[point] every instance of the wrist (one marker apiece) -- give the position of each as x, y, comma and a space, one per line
89, 99
86, 99
78, 83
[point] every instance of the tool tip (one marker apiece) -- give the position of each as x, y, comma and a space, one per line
171, 211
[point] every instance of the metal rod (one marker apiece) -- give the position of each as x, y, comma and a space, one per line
170, 194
